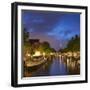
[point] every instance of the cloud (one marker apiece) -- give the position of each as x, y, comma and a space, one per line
42, 21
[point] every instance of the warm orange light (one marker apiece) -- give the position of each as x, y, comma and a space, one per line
37, 53
28, 54
43, 53
51, 53
75, 54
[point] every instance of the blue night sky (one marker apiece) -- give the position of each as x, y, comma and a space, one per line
55, 27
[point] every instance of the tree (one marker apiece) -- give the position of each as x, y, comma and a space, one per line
25, 35
45, 47
73, 44
53, 50
27, 48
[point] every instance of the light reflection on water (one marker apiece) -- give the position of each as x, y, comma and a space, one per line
56, 66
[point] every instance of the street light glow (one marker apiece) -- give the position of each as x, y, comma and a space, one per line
37, 53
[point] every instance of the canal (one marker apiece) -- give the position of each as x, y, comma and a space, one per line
55, 66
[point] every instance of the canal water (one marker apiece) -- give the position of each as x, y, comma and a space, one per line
54, 67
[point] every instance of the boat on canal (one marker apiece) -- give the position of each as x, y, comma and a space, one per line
36, 61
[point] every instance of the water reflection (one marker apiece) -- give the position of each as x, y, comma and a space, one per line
55, 66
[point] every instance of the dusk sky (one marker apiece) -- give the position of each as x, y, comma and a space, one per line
55, 27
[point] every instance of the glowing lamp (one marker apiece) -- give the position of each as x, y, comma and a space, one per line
37, 53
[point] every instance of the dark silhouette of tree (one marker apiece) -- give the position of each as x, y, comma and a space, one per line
27, 46
25, 35
73, 44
